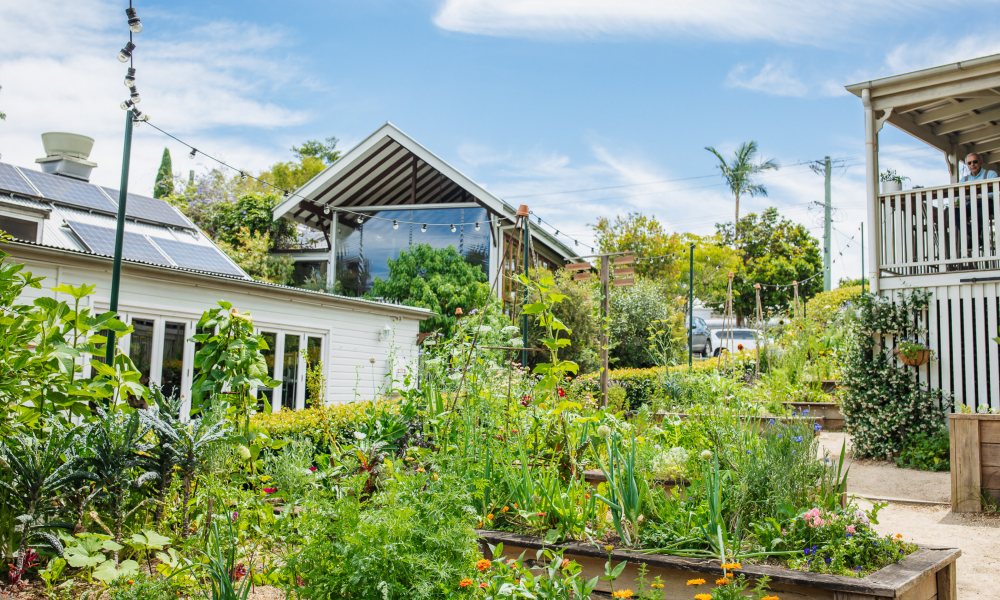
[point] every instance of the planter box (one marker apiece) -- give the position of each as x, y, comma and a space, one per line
928, 573
596, 476
833, 419
761, 421
975, 460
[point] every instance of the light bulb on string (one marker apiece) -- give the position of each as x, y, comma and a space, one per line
130, 78
453, 228
395, 224
136, 98
127, 104
423, 228
477, 226
126, 52
134, 24
194, 152
361, 220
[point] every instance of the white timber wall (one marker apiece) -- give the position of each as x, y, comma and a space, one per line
364, 345
961, 321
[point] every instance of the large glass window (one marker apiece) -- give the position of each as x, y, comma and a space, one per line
22, 229
364, 249
314, 358
290, 371
173, 359
141, 347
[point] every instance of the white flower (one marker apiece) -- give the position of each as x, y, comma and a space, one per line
515, 342
511, 330
603, 431
706, 455
359, 435
484, 329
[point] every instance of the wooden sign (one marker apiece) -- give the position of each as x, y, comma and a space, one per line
581, 276
624, 271
623, 282
581, 266
626, 259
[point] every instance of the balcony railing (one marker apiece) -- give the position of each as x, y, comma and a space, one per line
940, 229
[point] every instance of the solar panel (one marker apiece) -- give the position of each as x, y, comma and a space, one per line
73, 192
11, 181
101, 240
151, 209
194, 256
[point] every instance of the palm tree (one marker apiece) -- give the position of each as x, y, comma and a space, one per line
740, 173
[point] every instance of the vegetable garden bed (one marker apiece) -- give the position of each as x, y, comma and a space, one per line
975, 460
927, 574
761, 420
829, 412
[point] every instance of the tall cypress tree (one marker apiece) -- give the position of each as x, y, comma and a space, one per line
164, 185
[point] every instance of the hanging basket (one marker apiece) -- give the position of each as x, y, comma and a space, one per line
914, 359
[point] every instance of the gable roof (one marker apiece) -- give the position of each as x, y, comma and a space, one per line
389, 170
954, 106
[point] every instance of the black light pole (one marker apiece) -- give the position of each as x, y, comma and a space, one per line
691, 311
132, 114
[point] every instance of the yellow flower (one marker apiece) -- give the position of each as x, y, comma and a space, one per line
609, 548
898, 536
703, 597
483, 563
695, 581
770, 598
656, 585
721, 581
732, 565
623, 594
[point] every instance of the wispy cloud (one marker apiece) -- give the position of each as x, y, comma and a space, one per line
938, 50
211, 80
776, 78
782, 21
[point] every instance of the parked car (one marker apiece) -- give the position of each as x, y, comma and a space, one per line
702, 337
735, 339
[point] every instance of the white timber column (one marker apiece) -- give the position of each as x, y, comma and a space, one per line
954, 160
331, 261
871, 176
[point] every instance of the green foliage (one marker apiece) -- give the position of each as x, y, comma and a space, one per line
142, 587
324, 425
824, 307
555, 334
435, 278
580, 313
252, 251
633, 309
645, 237
414, 540
739, 174
776, 251
164, 184
927, 451
884, 403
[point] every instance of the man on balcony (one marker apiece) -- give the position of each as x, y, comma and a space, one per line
976, 171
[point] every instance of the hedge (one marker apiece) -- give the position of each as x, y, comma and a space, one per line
338, 420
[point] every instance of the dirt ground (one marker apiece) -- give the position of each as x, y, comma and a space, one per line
918, 507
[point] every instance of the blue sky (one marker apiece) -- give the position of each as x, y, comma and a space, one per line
531, 99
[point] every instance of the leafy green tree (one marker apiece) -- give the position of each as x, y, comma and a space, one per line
252, 252
739, 174
326, 150
633, 310
776, 251
713, 261
164, 184
581, 314
435, 278
659, 253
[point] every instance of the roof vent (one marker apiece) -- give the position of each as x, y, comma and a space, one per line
66, 154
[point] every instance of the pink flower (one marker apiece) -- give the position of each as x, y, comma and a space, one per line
270, 490
851, 529
561, 392
313, 469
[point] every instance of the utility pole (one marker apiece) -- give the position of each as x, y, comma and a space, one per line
862, 257
605, 324
827, 225
116, 268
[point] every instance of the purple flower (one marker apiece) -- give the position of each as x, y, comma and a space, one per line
770, 421
805, 411
797, 439
236, 515
817, 427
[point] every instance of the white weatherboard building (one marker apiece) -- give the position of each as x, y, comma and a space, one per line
65, 229
942, 239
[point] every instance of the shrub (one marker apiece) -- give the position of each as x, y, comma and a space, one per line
412, 540
319, 424
824, 306
926, 451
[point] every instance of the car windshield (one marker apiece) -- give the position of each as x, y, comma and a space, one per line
739, 334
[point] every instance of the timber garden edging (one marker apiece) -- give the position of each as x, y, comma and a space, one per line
927, 574
975, 460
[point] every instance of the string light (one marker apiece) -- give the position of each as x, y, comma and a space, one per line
194, 151
423, 228
477, 225
395, 224
361, 220
126, 52
134, 24
453, 228
130, 78
134, 95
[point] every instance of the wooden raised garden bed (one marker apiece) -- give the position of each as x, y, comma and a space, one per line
596, 477
975, 460
927, 574
762, 421
833, 419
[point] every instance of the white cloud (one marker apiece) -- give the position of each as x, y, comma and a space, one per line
783, 21
210, 82
775, 78
938, 50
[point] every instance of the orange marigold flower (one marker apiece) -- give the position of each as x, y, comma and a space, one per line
898, 536
722, 581
698, 581
623, 594
703, 597
483, 563
504, 509
483, 585
465, 583
732, 565
770, 598
489, 516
